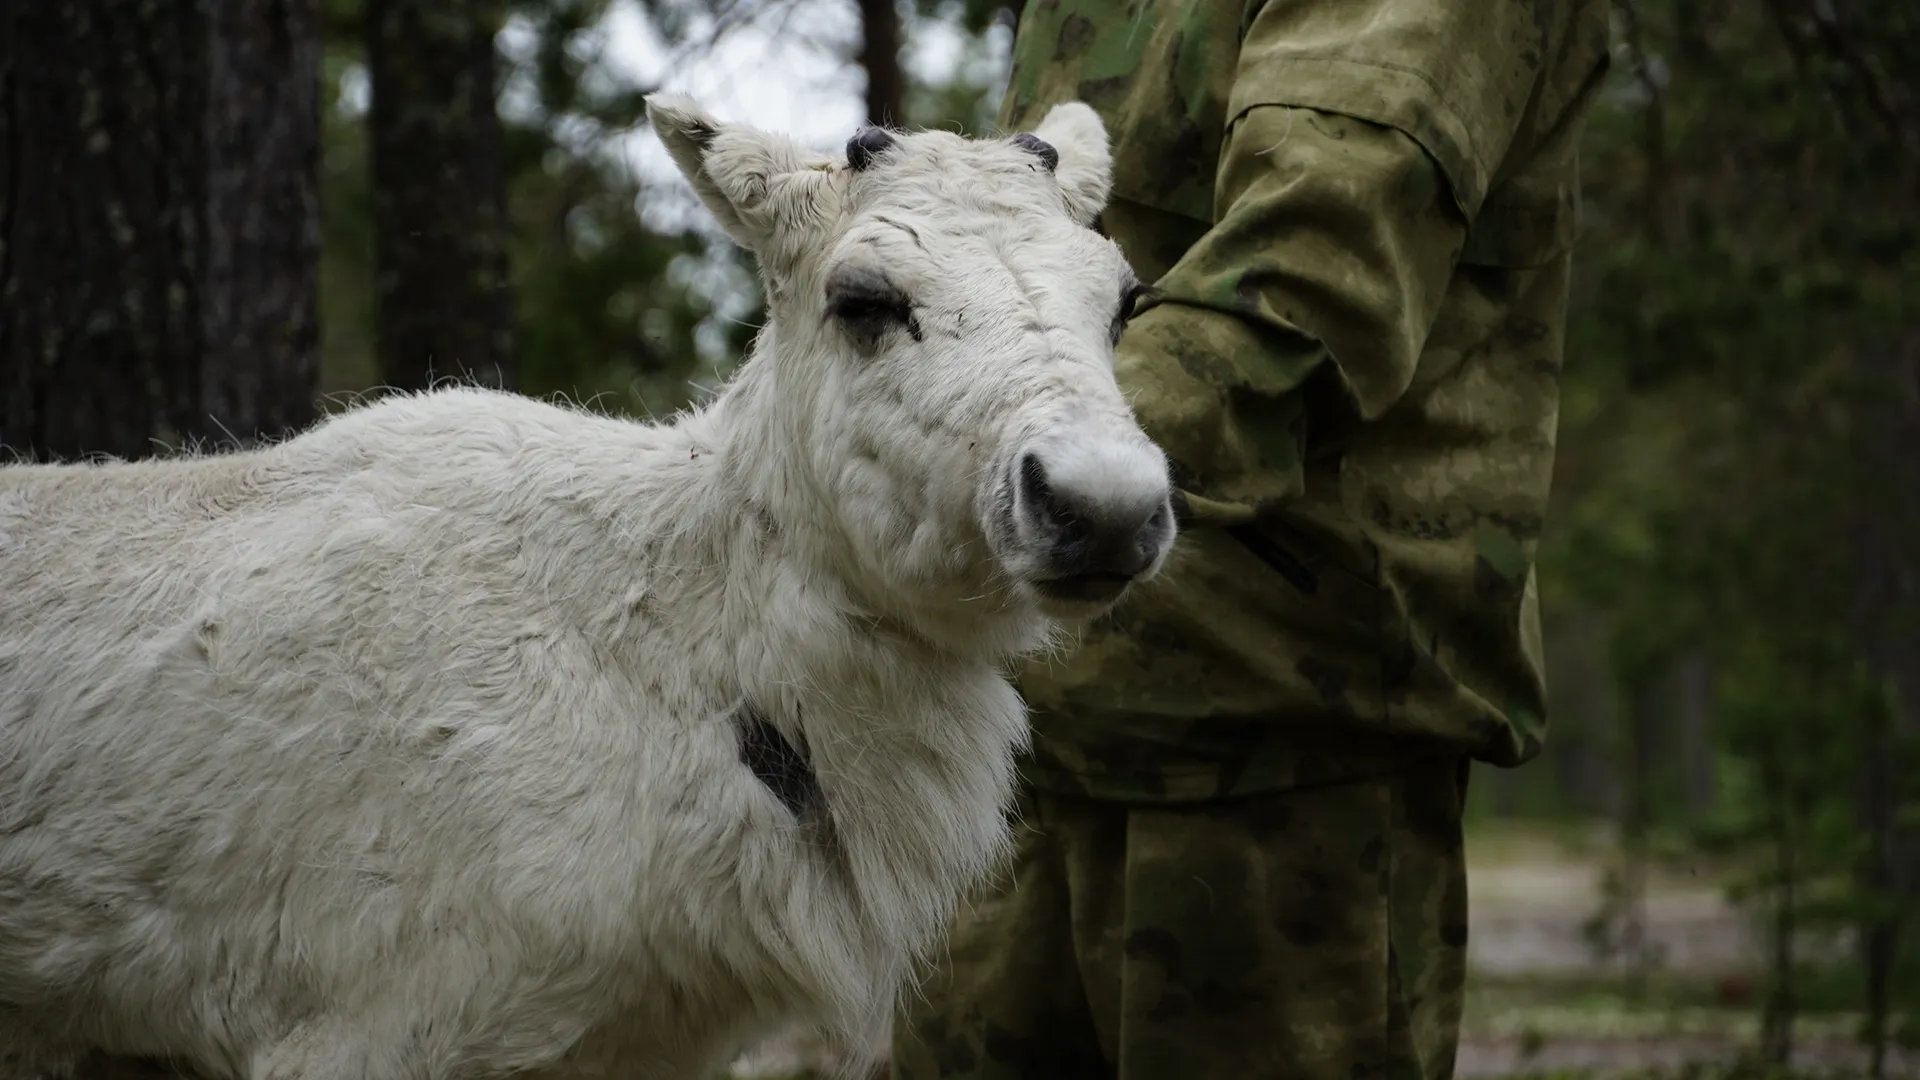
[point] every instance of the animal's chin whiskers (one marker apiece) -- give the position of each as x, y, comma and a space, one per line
1055, 643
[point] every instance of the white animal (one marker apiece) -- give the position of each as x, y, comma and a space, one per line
466, 733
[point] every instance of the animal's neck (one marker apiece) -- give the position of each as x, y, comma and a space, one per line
906, 721
913, 754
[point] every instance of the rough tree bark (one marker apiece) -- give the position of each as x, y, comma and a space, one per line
442, 295
159, 235
159, 223
880, 56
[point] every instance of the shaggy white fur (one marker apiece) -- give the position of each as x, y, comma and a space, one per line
438, 741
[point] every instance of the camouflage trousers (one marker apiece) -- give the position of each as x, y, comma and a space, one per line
1311, 934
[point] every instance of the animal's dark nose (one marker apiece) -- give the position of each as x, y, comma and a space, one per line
1103, 526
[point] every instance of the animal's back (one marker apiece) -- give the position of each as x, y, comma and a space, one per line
273, 721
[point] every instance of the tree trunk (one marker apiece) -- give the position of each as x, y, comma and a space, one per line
880, 56
1582, 700
442, 295
1885, 526
1635, 821
1693, 713
159, 235
261, 348
159, 229
1880, 932
1780, 1008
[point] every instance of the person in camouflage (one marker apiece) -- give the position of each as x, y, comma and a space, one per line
1239, 839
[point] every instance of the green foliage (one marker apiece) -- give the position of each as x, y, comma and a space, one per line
968, 103
1746, 273
607, 308
603, 308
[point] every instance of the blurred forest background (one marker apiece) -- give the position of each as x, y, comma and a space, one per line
221, 218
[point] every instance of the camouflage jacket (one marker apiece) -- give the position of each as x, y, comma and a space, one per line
1360, 215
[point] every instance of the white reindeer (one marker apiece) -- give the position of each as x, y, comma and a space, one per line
466, 734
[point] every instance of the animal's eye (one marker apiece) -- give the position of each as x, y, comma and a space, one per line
869, 308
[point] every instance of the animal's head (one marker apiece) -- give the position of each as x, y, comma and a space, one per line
944, 317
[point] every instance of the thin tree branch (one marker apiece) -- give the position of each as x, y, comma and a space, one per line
1654, 136
1841, 45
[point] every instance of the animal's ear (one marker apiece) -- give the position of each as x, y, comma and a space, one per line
754, 182
1085, 170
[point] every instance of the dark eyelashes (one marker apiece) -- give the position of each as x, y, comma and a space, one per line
868, 314
867, 307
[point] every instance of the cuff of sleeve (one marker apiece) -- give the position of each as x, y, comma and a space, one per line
1216, 393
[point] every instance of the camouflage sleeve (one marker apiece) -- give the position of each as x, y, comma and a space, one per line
1361, 141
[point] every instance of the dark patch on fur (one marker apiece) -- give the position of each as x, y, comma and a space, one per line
204, 637
1130, 299
785, 769
764, 522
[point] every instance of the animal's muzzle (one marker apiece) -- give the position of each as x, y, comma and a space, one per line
1104, 523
